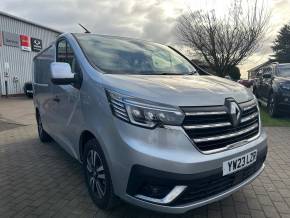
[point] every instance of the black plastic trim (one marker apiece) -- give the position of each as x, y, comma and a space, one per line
140, 175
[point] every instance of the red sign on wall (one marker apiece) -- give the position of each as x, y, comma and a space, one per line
25, 43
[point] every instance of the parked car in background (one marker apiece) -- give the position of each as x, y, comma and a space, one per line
28, 89
272, 88
147, 126
246, 83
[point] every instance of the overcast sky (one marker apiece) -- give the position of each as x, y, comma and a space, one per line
147, 19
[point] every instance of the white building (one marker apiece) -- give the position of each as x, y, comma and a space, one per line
20, 41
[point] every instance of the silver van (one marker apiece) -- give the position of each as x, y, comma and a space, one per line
148, 126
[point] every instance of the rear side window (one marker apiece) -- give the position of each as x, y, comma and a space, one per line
65, 54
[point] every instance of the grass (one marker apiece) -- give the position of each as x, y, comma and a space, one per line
269, 121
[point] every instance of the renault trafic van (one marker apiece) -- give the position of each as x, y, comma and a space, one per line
147, 125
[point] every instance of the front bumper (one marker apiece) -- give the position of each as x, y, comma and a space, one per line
169, 152
186, 207
201, 189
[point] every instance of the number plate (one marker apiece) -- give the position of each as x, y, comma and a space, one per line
239, 163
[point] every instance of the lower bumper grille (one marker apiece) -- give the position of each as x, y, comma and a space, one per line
215, 184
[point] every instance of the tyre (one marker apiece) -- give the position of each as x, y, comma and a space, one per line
272, 105
28, 89
28, 95
97, 176
42, 134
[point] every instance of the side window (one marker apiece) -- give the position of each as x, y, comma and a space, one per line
66, 54
71, 59
61, 51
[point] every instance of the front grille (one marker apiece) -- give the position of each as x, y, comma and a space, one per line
209, 186
210, 128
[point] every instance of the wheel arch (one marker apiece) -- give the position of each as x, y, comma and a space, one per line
85, 136
36, 112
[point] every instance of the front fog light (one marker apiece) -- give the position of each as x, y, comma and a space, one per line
155, 191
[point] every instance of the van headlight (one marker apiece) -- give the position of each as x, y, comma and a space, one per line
142, 112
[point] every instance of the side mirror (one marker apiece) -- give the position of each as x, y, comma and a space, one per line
267, 75
61, 73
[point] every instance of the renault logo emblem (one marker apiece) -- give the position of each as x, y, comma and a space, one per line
234, 111
36, 42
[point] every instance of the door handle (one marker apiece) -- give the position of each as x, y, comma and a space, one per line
56, 99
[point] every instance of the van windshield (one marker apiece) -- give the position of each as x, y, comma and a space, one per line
118, 55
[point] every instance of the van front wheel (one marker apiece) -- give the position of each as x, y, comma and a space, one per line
43, 135
97, 176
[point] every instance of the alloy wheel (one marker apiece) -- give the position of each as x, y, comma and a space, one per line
96, 174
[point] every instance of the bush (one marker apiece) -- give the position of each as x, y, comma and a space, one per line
234, 73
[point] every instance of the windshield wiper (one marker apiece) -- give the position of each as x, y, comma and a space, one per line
182, 74
169, 74
192, 72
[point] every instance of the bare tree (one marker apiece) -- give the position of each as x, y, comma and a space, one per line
223, 42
